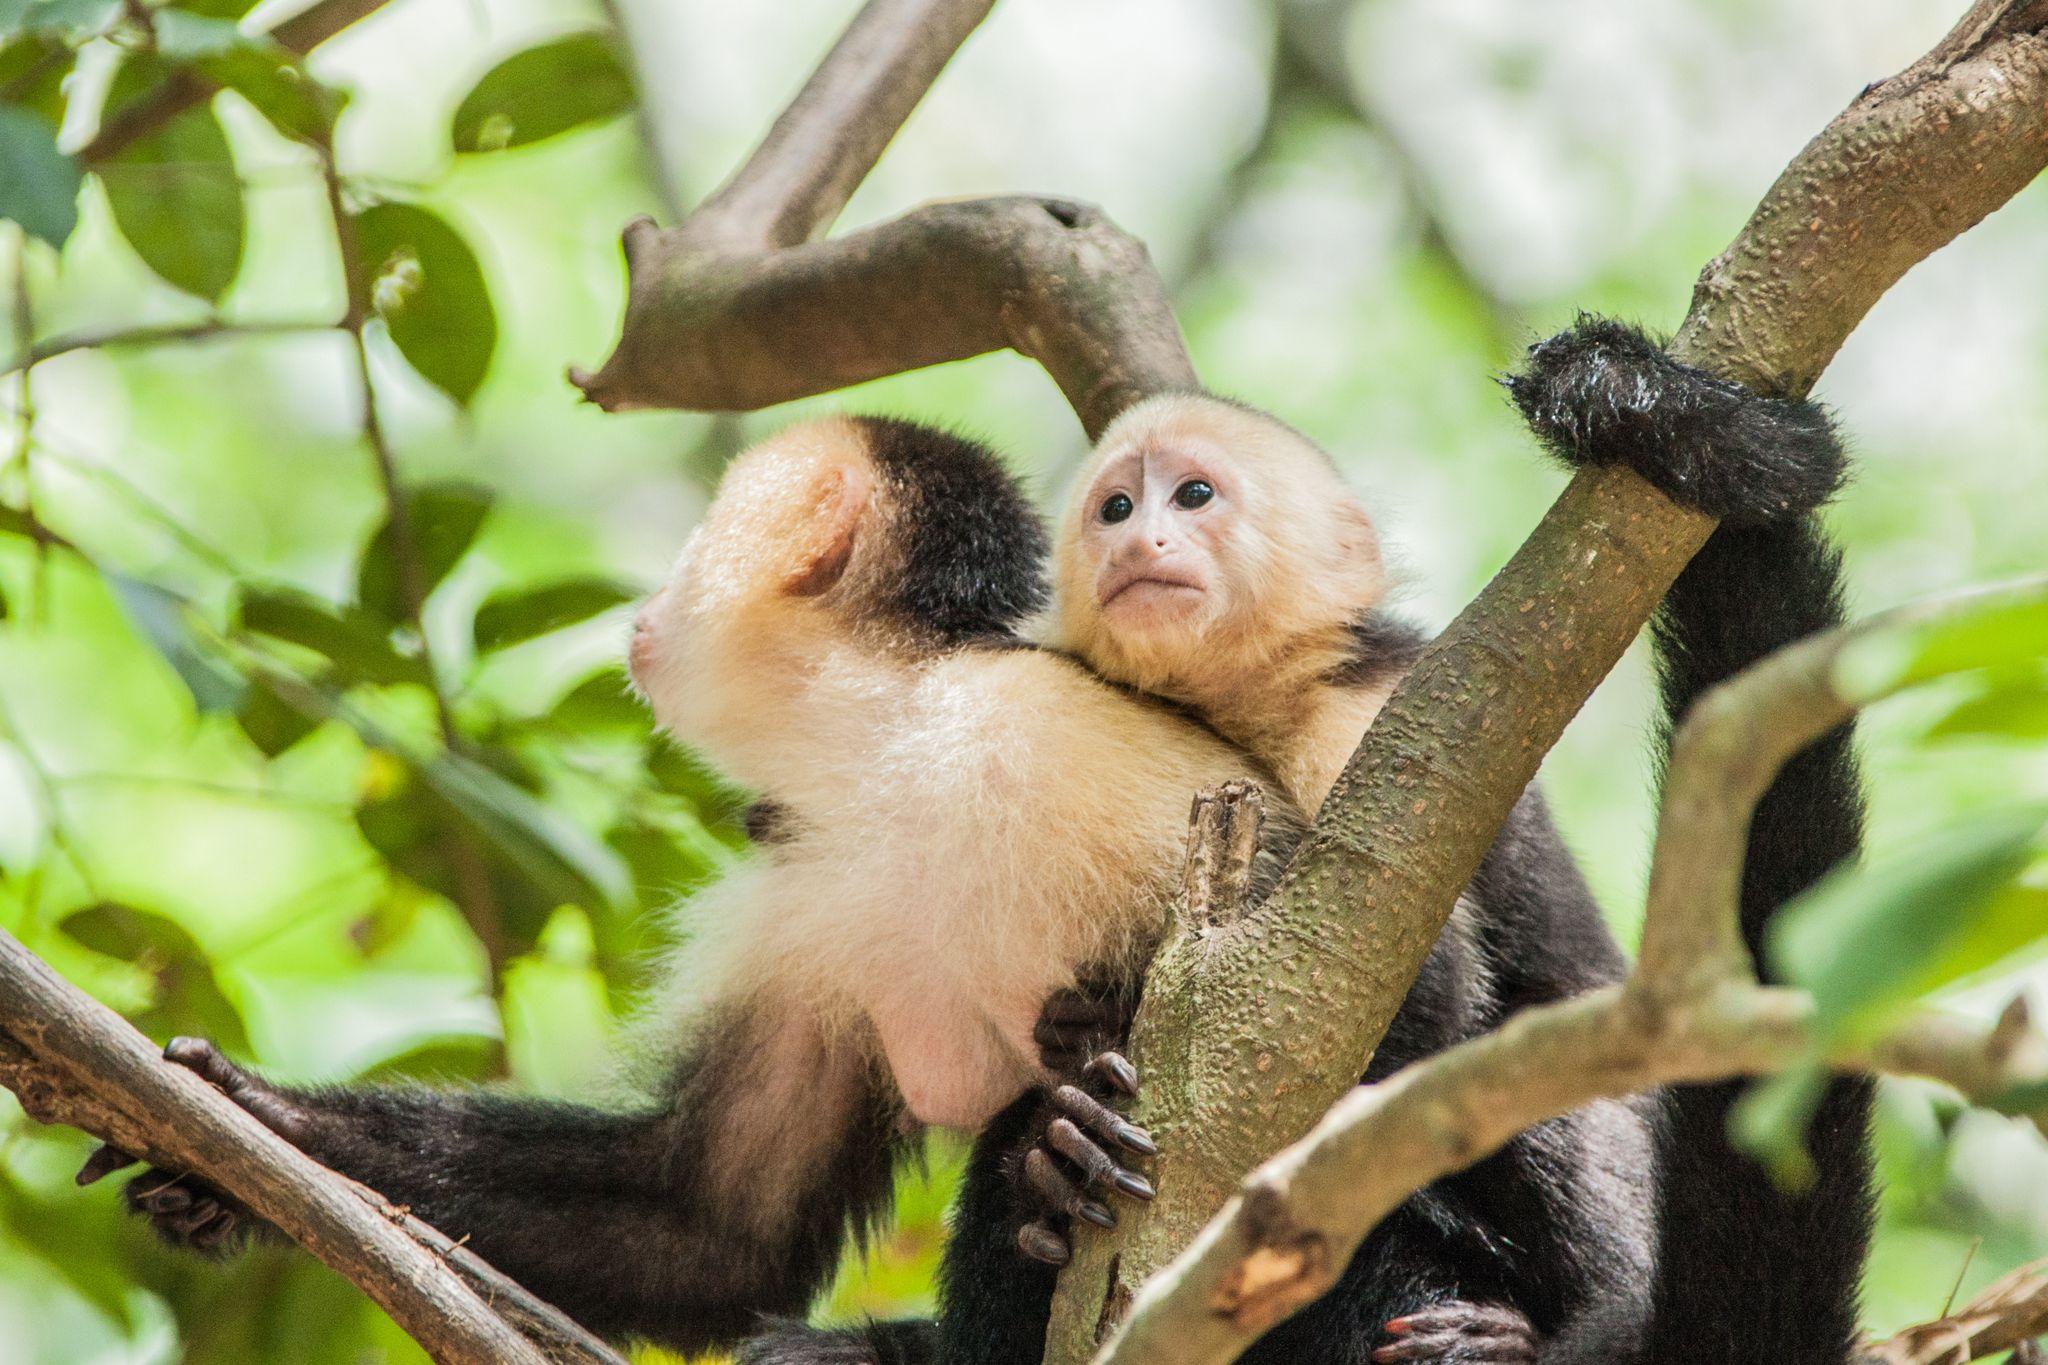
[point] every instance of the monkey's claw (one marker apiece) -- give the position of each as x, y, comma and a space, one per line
1041, 1241
1459, 1333
1095, 1116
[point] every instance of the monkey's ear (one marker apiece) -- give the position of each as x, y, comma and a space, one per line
842, 500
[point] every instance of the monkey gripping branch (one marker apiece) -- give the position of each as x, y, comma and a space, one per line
746, 303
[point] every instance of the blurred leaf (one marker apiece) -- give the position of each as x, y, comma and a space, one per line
514, 617
173, 191
187, 999
557, 1010
40, 189
32, 71
425, 283
183, 34
276, 81
75, 18
1770, 1122
444, 519
215, 9
215, 685
602, 703
2015, 712
270, 722
563, 859
356, 643
679, 770
543, 91
2004, 628
15, 522
1870, 939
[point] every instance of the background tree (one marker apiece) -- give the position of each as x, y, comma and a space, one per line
374, 738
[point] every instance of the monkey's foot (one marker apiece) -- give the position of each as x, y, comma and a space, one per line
1072, 1161
1459, 1333
185, 1210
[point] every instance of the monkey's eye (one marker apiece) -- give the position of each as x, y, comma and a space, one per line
1116, 507
1192, 494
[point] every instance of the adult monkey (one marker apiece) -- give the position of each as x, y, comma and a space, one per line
1213, 554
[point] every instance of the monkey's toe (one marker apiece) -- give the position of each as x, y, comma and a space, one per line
1041, 1241
1459, 1333
1049, 1185
268, 1104
1099, 1170
1096, 1117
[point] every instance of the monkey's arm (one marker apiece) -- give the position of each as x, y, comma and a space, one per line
680, 1222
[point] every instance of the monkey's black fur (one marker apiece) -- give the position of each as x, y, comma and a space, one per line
974, 558
1603, 393
1746, 1272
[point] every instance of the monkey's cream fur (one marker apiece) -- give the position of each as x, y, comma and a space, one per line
1297, 563
969, 826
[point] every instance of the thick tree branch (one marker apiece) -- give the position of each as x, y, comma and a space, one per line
1264, 1054
2011, 1312
739, 307
1692, 1011
299, 33
71, 1060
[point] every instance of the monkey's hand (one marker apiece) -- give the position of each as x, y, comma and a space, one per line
1602, 393
1070, 1159
1460, 1333
185, 1210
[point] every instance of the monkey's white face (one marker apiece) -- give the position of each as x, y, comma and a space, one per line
1157, 525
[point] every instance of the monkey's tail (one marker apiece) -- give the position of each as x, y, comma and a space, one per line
1747, 1273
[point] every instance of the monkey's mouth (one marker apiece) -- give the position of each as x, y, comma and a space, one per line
1153, 587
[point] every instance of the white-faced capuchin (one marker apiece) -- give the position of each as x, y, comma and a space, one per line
964, 827
1213, 556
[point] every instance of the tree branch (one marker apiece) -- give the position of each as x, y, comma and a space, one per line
1285, 1238
70, 1059
739, 308
299, 33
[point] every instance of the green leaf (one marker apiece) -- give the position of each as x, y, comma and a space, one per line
1770, 1122
160, 616
33, 68
40, 187
15, 522
272, 723
1868, 940
514, 617
559, 856
2015, 712
182, 35
444, 519
354, 641
174, 192
543, 91
276, 81
2006, 628
426, 285
212, 9
187, 998
601, 704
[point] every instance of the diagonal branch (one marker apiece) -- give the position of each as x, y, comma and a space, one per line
1295, 1222
72, 1060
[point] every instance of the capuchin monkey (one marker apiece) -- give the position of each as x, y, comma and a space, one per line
963, 826
1213, 556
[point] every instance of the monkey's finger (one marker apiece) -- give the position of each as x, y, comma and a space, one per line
217, 1232
1042, 1242
1115, 1068
1074, 1007
103, 1162
1091, 1113
1043, 1177
1098, 1170
276, 1112
1459, 1333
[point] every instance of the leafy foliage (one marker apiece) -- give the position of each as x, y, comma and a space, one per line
543, 91
40, 190
426, 285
